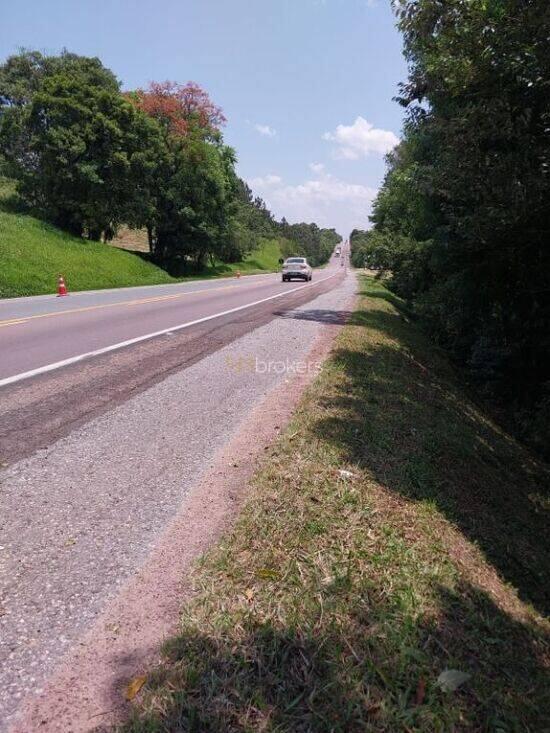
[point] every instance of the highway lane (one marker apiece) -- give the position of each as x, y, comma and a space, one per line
36, 412
114, 447
96, 457
11, 308
36, 333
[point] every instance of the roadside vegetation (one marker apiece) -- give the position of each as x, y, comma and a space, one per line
92, 160
33, 253
389, 572
463, 219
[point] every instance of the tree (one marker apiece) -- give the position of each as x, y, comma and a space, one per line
195, 211
252, 221
307, 240
179, 107
22, 75
195, 204
467, 191
82, 154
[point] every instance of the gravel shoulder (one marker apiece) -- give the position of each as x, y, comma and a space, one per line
98, 519
368, 584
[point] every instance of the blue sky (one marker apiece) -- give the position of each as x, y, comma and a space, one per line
306, 85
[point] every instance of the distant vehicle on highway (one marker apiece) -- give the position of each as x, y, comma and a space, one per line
297, 267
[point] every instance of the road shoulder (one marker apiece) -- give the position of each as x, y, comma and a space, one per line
86, 690
388, 572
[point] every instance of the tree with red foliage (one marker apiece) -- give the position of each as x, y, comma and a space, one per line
193, 216
177, 107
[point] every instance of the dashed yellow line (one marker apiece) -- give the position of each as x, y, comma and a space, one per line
154, 299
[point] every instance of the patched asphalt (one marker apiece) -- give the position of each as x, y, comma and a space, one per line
80, 515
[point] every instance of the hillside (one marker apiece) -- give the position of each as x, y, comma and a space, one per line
32, 253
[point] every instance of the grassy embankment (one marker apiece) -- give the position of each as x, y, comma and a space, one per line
32, 253
338, 600
264, 259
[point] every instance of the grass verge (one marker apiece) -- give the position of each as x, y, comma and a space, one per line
339, 599
33, 253
265, 258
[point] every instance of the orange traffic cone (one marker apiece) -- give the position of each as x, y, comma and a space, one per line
61, 287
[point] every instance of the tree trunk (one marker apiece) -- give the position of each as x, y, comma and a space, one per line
94, 235
200, 261
150, 238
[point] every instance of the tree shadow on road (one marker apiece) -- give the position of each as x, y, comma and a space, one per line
320, 315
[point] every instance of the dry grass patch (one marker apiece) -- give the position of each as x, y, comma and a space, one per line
338, 600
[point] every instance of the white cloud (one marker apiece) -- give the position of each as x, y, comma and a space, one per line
265, 130
317, 167
361, 139
265, 181
324, 199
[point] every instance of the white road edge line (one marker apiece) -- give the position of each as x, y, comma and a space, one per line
114, 347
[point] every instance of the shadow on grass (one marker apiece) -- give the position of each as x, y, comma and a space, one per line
181, 268
343, 673
254, 265
355, 652
397, 302
401, 416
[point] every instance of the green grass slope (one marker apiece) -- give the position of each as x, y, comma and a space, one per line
263, 259
33, 253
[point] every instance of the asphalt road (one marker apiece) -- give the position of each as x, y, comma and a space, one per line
40, 402
114, 443
41, 333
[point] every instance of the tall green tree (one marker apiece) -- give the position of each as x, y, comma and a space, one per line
84, 157
22, 75
308, 240
196, 198
195, 203
467, 192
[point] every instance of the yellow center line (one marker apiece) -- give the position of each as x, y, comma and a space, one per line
153, 299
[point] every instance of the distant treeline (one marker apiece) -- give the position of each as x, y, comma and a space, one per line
89, 158
463, 218
308, 240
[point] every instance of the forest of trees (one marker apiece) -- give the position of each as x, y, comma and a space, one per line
90, 158
310, 241
463, 218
